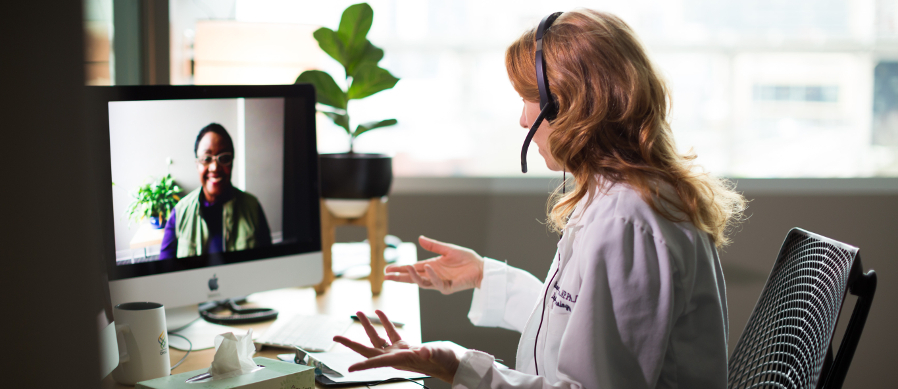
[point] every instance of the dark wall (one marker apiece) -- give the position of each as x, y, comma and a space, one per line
509, 227
49, 245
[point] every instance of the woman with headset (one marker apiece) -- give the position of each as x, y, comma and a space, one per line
635, 296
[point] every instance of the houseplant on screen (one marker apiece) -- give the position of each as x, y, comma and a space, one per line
155, 201
352, 175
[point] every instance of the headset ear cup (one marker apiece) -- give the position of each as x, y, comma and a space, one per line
552, 112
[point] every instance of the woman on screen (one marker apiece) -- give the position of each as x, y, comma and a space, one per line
634, 296
216, 217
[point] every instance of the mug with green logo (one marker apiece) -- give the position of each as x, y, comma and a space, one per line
142, 342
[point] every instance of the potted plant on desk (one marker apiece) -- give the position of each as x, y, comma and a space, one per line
351, 175
154, 201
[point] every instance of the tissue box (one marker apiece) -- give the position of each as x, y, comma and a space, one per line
275, 375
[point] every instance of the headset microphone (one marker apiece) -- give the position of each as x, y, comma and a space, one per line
548, 108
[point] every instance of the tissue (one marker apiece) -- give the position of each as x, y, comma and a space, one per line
233, 355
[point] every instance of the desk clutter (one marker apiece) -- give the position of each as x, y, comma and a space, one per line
310, 332
273, 375
331, 312
332, 368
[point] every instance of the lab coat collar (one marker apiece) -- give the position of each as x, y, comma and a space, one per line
596, 189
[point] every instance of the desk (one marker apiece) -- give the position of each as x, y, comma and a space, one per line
147, 236
343, 298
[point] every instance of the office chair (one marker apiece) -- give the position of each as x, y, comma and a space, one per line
787, 342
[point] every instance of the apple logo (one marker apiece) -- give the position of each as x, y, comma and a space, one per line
213, 283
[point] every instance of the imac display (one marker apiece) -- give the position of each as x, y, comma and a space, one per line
213, 192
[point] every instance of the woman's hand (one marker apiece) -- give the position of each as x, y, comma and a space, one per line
435, 361
457, 268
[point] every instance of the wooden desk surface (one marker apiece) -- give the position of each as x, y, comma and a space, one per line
344, 298
146, 236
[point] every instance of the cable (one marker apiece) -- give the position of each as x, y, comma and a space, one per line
189, 349
546, 294
394, 380
543, 314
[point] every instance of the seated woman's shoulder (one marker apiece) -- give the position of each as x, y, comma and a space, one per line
623, 201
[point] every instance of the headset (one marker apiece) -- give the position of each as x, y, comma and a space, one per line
547, 104
548, 110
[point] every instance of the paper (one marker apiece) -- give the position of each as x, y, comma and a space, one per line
202, 334
341, 360
233, 355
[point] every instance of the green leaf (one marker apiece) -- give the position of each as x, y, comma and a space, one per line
330, 42
365, 127
370, 79
371, 54
354, 26
326, 90
153, 199
339, 119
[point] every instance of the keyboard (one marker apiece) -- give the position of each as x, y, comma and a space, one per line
309, 332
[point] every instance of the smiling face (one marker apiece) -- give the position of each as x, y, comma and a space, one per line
215, 178
541, 138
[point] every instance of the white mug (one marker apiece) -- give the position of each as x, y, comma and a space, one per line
142, 342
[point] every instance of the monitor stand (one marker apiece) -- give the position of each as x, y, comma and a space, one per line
186, 322
179, 317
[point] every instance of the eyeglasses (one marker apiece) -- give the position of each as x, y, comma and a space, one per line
225, 159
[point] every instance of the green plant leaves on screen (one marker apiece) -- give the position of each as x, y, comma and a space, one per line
154, 199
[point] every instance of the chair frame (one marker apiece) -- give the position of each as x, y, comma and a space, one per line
834, 369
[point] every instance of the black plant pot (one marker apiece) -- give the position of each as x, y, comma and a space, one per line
355, 175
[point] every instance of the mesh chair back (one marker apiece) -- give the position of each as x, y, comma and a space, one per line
788, 336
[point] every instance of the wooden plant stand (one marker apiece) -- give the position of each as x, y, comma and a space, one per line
375, 220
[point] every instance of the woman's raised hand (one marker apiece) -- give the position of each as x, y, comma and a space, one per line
457, 268
433, 360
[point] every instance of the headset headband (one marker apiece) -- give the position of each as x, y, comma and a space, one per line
548, 109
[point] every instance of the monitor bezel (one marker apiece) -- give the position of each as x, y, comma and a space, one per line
300, 165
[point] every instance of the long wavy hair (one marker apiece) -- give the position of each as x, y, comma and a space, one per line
612, 124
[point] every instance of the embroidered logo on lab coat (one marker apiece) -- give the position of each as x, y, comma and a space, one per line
562, 298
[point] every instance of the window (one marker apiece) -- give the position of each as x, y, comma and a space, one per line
780, 88
98, 42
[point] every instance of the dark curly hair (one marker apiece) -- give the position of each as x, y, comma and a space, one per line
218, 129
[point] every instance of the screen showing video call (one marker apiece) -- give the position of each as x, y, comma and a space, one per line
202, 182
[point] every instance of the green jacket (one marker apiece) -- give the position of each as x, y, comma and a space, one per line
241, 218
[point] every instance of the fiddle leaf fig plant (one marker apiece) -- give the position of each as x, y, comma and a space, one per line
350, 47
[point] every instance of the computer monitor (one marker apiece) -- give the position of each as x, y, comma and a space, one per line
245, 216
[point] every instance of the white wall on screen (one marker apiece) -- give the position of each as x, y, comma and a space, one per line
264, 153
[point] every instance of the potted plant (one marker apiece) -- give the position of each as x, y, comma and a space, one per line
155, 201
352, 175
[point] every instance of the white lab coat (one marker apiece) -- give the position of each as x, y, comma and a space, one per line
635, 301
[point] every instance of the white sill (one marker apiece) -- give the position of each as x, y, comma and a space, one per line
545, 185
